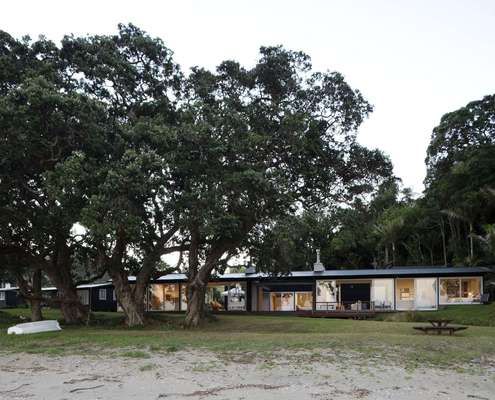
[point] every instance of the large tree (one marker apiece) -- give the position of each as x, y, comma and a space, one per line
460, 164
129, 219
467, 128
43, 122
257, 144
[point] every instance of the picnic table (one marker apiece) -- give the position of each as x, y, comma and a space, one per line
439, 322
439, 326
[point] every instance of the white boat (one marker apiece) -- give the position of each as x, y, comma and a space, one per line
34, 327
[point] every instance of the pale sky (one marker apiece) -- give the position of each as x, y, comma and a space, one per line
413, 60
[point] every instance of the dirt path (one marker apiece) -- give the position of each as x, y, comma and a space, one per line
195, 375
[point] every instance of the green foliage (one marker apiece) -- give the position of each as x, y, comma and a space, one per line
272, 140
43, 122
450, 224
461, 166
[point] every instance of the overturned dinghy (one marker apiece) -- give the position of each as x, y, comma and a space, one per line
34, 327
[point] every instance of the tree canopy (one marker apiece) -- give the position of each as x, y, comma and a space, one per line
112, 157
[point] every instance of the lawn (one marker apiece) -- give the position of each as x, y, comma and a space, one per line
258, 336
475, 314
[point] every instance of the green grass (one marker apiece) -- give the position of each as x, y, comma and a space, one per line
476, 314
246, 337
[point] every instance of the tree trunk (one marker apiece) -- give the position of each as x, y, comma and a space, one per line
195, 314
393, 253
130, 298
386, 256
70, 305
471, 243
420, 250
35, 303
444, 244
31, 292
36, 314
199, 276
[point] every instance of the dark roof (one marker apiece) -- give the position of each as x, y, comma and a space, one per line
344, 273
425, 271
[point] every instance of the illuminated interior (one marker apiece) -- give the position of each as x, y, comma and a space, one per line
164, 297
460, 290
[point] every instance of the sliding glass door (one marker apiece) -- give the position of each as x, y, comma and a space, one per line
426, 293
326, 295
382, 294
416, 294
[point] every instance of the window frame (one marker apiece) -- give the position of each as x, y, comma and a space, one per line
100, 297
459, 279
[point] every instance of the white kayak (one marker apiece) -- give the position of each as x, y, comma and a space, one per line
34, 327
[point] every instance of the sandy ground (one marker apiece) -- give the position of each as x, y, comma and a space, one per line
200, 375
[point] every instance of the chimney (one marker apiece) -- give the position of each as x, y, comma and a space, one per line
318, 266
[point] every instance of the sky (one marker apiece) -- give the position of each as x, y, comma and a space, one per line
413, 60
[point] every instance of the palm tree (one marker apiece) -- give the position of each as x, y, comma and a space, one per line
460, 215
488, 239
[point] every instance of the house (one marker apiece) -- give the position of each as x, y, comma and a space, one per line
393, 289
319, 291
98, 296
9, 297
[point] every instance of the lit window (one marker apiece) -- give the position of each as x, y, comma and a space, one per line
102, 294
2, 296
460, 290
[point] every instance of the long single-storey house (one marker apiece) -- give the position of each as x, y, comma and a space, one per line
322, 291
393, 289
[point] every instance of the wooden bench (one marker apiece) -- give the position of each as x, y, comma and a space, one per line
440, 329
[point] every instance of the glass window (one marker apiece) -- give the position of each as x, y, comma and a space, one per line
171, 297
283, 301
326, 294
471, 289
460, 290
426, 293
164, 297
2, 296
450, 290
155, 297
237, 297
183, 297
265, 304
382, 294
228, 296
216, 297
405, 294
304, 301
102, 294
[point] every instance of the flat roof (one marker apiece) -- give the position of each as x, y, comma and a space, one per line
341, 273
53, 288
425, 271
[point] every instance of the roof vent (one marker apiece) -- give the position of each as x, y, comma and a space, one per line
318, 266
